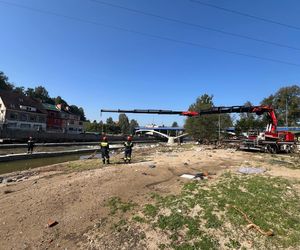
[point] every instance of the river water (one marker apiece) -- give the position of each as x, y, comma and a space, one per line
18, 165
11, 166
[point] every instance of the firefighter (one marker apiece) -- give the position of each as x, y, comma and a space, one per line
104, 145
30, 145
128, 149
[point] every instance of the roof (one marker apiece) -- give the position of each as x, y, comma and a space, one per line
13, 100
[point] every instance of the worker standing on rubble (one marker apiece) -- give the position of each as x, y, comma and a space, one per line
30, 145
104, 145
128, 149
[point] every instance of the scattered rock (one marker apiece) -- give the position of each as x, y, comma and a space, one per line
152, 166
185, 164
52, 223
7, 180
251, 170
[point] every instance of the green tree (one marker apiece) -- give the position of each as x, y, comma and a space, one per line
29, 92
285, 101
60, 100
93, 126
175, 125
4, 84
111, 127
78, 111
249, 121
20, 90
124, 124
206, 126
132, 125
40, 93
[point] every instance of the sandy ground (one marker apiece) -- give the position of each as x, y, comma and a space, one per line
76, 199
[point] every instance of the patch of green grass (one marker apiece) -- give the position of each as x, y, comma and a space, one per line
206, 242
270, 203
116, 204
138, 219
162, 246
190, 186
212, 221
172, 222
233, 244
150, 210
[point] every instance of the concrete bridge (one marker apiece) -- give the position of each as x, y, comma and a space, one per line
171, 139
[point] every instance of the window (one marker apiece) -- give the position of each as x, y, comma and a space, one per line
12, 125
25, 126
13, 116
24, 117
37, 127
32, 118
41, 119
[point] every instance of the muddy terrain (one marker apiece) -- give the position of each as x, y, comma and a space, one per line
87, 205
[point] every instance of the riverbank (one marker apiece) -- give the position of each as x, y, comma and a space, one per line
143, 205
42, 156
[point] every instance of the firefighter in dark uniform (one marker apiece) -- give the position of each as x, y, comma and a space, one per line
104, 145
128, 149
30, 145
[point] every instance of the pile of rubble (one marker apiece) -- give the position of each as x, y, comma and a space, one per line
21, 176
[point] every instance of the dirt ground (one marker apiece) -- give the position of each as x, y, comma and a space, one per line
75, 194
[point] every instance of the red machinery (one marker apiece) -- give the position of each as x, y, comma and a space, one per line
271, 140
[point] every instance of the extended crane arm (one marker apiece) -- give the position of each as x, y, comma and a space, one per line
143, 111
259, 110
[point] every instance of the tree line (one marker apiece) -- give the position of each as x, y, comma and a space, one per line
39, 93
122, 126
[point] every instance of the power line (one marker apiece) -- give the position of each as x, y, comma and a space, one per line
149, 35
195, 25
246, 15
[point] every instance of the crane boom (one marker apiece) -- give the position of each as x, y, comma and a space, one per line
259, 110
143, 111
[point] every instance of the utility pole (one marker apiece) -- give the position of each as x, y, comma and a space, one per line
219, 127
286, 110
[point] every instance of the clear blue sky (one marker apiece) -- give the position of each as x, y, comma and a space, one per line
96, 67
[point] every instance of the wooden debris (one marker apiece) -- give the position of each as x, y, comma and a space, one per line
251, 224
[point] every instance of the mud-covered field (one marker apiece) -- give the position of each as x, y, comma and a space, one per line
147, 205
